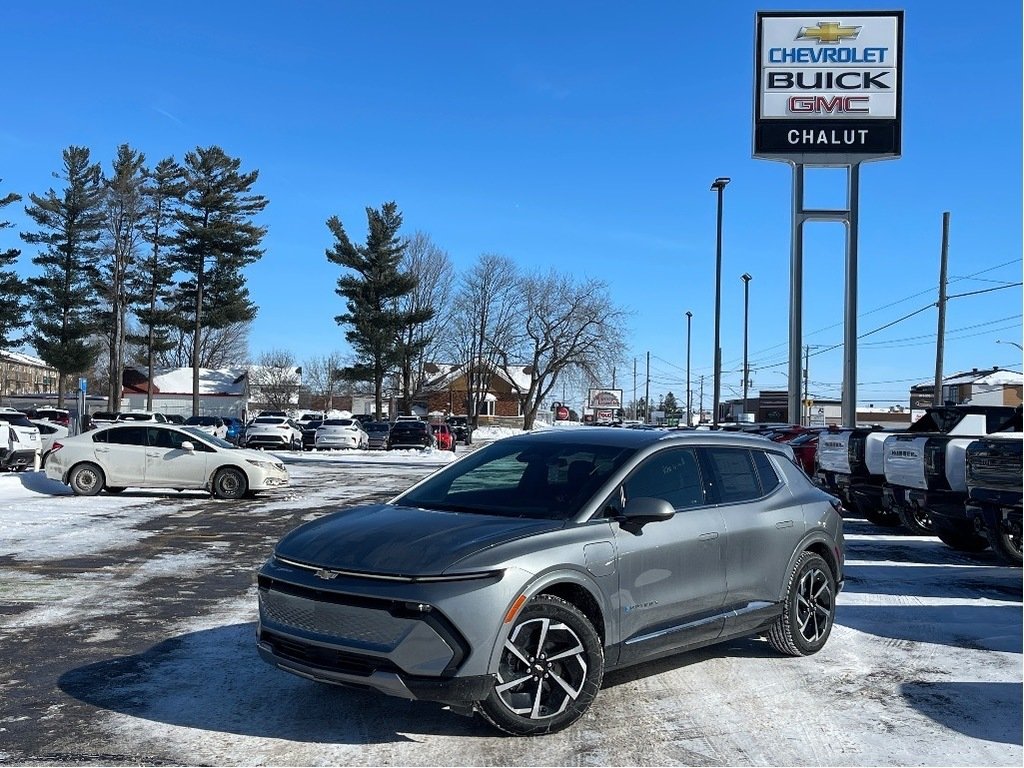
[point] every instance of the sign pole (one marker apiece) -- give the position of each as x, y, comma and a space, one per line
850, 324
796, 287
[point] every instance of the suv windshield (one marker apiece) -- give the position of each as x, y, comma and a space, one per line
511, 478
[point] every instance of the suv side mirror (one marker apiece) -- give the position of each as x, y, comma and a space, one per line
644, 509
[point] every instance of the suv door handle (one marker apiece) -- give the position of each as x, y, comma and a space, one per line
784, 524
709, 536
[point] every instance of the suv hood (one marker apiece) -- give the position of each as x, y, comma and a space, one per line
401, 541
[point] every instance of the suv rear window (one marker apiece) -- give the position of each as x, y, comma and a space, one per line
731, 475
17, 419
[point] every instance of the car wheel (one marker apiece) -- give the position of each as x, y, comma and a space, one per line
883, 519
917, 520
113, 488
230, 483
960, 536
86, 480
549, 672
808, 610
1006, 543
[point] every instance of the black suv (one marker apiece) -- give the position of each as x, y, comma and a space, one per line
460, 426
410, 434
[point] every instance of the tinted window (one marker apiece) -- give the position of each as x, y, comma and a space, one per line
127, 436
766, 472
376, 426
269, 420
338, 423
672, 475
547, 480
730, 475
18, 419
168, 438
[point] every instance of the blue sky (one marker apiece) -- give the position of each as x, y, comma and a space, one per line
579, 135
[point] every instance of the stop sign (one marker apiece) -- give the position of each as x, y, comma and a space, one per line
562, 413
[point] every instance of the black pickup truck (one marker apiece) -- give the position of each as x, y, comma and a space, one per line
994, 489
926, 475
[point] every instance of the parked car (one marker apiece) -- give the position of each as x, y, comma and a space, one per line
282, 414
994, 491
235, 429
377, 434
309, 433
273, 432
444, 436
311, 416
211, 425
19, 440
160, 456
364, 418
60, 416
510, 582
925, 472
340, 433
410, 434
174, 418
49, 431
141, 416
805, 450
460, 426
102, 418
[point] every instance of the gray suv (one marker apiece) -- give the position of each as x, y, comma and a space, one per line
511, 581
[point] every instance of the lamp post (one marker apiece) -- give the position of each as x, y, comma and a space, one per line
719, 186
689, 418
1016, 344
746, 278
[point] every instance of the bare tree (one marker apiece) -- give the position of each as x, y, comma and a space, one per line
565, 326
419, 342
486, 307
274, 380
218, 347
323, 377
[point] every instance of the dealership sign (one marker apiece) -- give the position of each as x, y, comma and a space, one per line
829, 86
605, 398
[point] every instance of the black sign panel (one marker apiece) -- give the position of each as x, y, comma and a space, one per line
873, 137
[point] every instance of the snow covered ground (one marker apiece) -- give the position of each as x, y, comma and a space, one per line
127, 637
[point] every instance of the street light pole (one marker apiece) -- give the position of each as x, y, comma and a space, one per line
746, 278
719, 186
689, 417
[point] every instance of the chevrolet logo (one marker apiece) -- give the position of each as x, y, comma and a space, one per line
327, 575
828, 32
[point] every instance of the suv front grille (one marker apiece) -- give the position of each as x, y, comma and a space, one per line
326, 658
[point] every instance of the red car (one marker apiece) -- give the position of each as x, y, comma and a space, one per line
805, 449
445, 437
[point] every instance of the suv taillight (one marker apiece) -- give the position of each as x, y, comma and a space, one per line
56, 447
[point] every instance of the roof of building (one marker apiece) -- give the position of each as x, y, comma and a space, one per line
23, 359
178, 381
991, 377
440, 375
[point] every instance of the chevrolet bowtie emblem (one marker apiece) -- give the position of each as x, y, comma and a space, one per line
327, 575
828, 32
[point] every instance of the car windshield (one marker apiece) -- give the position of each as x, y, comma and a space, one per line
806, 437
337, 423
17, 419
521, 478
203, 421
376, 426
269, 420
207, 438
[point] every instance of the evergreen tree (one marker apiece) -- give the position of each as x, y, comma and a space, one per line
63, 299
372, 292
216, 240
670, 405
151, 280
13, 290
125, 209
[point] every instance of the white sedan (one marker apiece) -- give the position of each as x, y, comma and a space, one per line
160, 456
341, 433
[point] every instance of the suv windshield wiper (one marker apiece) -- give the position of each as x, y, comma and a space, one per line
446, 507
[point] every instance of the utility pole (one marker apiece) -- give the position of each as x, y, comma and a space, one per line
634, 388
689, 406
647, 392
700, 416
613, 377
807, 380
746, 278
940, 341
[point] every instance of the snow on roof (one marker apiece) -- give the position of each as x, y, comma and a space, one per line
23, 359
442, 374
991, 377
212, 381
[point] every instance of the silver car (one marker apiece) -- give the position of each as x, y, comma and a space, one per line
511, 581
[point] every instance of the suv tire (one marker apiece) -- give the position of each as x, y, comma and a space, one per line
549, 671
809, 609
1005, 543
960, 536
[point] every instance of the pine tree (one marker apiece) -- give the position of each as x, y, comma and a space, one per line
13, 315
376, 320
63, 298
216, 240
125, 208
151, 280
